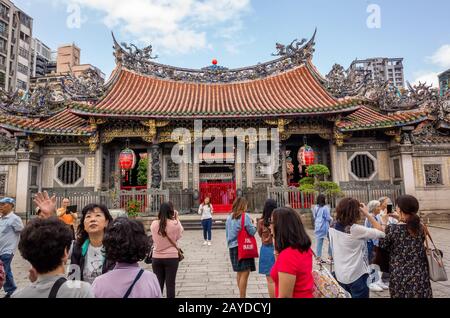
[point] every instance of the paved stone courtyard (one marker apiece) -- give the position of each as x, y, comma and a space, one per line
206, 271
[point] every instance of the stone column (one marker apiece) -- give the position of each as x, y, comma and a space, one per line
149, 168
406, 161
23, 177
283, 164
334, 164
156, 166
249, 165
98, 168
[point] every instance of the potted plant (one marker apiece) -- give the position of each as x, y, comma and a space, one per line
133, 208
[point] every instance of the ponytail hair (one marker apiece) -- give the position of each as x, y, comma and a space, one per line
409, 205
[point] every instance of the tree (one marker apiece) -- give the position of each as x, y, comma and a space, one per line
316, 182
142, 172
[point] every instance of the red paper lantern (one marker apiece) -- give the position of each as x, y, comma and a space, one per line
127, 159
214, 61
306, 156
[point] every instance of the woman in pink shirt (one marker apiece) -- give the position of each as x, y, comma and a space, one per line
292, 272
166, 231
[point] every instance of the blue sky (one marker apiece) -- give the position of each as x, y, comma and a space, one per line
190, 33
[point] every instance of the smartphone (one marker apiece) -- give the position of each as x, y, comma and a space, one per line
389, 209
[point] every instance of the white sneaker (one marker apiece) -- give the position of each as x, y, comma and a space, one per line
209, 243
205, 242
382, 285
374, 287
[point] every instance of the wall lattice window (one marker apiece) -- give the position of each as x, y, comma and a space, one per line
433, 175
2, 184
172, 169
362, 166
397, 171
69, 172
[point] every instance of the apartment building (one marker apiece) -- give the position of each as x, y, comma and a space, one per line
382, 68
16, 30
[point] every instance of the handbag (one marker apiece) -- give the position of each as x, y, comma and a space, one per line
326, 286
247, 247
180, 251
149, 258
2, 274
381, 259
435, 261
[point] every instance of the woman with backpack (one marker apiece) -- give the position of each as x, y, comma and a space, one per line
242, 267
206, 210
322, 220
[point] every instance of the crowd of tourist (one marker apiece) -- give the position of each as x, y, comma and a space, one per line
104, 253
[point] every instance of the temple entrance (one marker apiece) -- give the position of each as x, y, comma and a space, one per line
137, 177
322, 156
217, 181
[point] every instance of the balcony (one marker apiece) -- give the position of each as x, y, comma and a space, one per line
4, 16
3, 50
4, 34
2, 67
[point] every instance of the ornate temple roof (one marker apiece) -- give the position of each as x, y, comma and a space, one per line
65, 123
366, 118
294, 92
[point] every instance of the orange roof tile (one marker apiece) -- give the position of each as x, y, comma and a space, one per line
64, 122
295, 92
366, 118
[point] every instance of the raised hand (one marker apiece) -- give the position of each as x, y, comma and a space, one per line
46, 204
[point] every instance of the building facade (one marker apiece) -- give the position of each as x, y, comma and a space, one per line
41, 56
384, 69
72, 143
16, 29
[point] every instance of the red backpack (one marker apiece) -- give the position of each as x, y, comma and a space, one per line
247, 247
2, 274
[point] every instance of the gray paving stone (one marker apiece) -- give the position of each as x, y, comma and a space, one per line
206, 271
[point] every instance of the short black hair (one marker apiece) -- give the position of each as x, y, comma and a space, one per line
82, 235
289, 230
321, 200
43, 243
125, 241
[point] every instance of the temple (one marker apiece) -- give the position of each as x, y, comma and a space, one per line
375, 139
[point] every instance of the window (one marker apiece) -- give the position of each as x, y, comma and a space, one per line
69, 172
362, 166
22, 68
21, 85
24, 53
2, 80
397, 171
3, 27
433, 175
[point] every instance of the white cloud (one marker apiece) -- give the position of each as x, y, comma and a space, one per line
441, 57
178, 26
431, 78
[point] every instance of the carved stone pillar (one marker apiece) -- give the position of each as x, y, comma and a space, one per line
156, 166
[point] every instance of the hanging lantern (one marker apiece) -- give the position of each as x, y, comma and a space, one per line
127, 159
306, 156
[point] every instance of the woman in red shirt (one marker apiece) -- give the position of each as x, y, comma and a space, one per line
292, 272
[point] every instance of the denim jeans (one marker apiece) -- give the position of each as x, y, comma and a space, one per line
319, 247
359, 288
207, 226
9, 285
